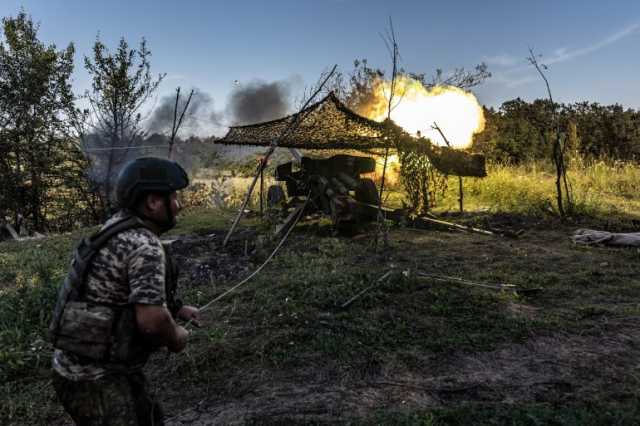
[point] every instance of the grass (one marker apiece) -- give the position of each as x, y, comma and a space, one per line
600, 189
289, 318
433, 319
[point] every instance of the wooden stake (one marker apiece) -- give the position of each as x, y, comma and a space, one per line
261, 188
463, 281
460, 190
454, 225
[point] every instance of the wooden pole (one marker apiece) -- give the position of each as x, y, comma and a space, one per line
261, 188
461, 192
392, 47
177, 122
245, 201
460, 189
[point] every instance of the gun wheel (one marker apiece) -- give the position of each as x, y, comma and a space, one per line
275, 196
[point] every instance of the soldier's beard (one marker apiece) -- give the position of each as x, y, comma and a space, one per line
170, 219
165, 222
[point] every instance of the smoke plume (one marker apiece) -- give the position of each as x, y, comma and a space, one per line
259, 101
200, 118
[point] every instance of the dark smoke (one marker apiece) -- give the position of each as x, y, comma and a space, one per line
200, 118
259, 101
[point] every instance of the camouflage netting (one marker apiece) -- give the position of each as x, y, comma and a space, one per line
329, 124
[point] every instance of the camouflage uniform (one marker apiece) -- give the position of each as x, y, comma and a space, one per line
129, 269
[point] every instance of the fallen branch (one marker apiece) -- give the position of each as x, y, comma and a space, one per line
454, 225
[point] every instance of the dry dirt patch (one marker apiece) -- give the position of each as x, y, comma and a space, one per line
556, 368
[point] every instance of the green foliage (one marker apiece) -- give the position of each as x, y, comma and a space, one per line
121, 83
197, 220
41, 167
416, 176
517, 132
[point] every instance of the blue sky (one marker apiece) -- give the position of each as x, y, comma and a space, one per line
591, 46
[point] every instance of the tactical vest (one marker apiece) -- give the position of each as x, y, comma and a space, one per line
97, 331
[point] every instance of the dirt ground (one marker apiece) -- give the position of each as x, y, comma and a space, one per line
581, 321
553, 369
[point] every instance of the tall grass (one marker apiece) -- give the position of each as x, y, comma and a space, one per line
30, 274
599, 188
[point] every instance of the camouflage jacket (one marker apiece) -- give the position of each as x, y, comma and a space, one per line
132, 268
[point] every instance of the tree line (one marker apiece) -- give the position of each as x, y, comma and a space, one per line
518, 131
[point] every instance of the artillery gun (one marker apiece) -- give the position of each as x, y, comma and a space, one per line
334, 186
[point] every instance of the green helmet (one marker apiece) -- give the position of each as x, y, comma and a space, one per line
148, 175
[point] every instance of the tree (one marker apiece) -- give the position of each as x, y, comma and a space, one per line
558, 141
460, 77
41, 165
121, 84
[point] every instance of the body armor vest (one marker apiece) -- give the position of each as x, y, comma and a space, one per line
96, 331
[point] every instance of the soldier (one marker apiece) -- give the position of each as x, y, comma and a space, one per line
118, 303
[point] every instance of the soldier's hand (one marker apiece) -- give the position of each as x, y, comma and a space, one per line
191, 314
181, 339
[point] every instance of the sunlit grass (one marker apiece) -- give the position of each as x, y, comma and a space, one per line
599, 188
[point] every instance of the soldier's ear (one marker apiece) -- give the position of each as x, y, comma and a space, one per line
156, 202
152, 202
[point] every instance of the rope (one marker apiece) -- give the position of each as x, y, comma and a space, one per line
466, 282
254, 273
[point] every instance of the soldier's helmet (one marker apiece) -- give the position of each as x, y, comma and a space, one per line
148, 175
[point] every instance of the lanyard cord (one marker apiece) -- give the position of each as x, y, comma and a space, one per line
254, 273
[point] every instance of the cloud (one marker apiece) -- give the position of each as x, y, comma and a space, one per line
502, 60
174, 77
517, 82
514, 75
564, 54
512, 81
